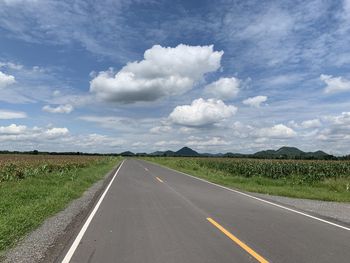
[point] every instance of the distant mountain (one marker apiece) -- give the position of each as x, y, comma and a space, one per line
236, 155
318, 154
282, 153
212, 154
127, 153
163, 153
141, 154
185, 151
291, 153
157, 153
169, 153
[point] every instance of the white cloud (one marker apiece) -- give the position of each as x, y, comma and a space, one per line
7, 115
315, 123
278, 131
241, 130
335, 84
54, 133
6, 80
67, 108
202, 112
293, 124
164, 71
18, 137
224, 88
160, 129
255, 101
12, 129
21, 133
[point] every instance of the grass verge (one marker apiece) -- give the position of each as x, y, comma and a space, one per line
25, 204
331, 189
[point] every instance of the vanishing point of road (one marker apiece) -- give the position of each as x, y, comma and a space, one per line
149, 213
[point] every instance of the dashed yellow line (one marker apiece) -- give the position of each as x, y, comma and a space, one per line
160, 180
237, 241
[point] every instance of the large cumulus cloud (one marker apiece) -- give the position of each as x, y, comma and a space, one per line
164, 71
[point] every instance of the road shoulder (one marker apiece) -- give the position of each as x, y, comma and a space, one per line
333, 210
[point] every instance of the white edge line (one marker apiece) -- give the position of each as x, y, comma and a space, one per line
76, 242
262, 200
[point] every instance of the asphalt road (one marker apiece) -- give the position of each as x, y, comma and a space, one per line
153, 214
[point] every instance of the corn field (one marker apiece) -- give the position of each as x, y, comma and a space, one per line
17, 167
303, 171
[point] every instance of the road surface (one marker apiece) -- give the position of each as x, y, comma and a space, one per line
153, 214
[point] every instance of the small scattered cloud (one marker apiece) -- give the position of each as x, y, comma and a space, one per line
255, 101
56, 93
315, 123
207, 142
342, 119
168, 143
8, 114
11, 65
160, 129
283, 79
67, 108
164, 71
335, 84
139, 144
224, 88
6, 80
202, 112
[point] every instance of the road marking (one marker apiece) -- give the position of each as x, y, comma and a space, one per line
160, 180
77, 240
237, 241
261, 200
146, 169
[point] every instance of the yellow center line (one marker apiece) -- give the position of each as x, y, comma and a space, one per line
237, 241
160, 180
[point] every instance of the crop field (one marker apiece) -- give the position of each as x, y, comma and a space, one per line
34, 187
299, 171
314, 179
16, 167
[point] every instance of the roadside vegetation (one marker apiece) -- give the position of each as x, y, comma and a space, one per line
34, 187
322, 180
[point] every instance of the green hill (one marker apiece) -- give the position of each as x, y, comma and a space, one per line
185, 151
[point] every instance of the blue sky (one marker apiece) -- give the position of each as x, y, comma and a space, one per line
218, 76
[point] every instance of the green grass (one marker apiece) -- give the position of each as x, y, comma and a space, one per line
327, 189
25, 204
